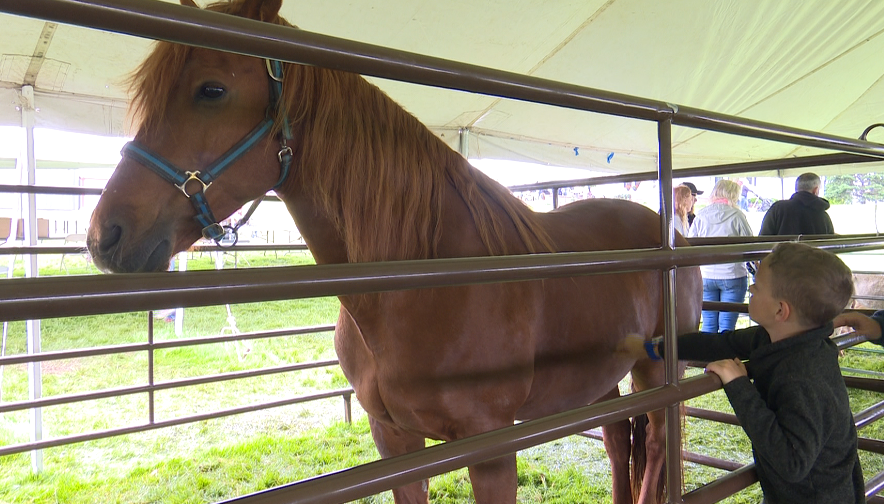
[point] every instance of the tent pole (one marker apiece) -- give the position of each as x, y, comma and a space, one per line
35, 379
464, 144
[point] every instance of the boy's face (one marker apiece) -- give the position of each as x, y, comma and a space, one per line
763, 306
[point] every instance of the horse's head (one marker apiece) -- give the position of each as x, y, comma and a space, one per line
195, 107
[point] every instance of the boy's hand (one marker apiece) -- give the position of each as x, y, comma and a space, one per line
632, 346
862, 325
727, 369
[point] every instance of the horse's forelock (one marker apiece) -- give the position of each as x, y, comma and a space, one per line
152, 82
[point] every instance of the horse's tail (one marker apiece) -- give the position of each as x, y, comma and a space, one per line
640, 460
639, 457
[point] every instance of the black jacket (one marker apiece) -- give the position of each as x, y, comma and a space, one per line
803, 213
795, 411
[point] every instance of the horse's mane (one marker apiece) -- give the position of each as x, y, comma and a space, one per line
376, 170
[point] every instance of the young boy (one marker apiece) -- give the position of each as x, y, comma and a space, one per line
789, 396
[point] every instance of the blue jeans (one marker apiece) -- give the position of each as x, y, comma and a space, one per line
732, 290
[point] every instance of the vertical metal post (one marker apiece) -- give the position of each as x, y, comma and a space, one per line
673, 421
151, 413
464, 144
35, 378
179, 312
348, 408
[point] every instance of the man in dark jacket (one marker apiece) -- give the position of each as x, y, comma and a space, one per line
803, 213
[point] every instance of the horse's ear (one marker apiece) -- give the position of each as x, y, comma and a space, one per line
189, 3
262, 10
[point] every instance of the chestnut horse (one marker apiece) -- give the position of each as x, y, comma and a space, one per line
365, 181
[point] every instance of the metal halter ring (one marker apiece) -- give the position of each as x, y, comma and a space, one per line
270, 71
284, 151
228, 231
194, 175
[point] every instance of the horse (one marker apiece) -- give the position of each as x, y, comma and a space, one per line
365, 181
868, 284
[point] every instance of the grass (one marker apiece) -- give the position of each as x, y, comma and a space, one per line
222, 458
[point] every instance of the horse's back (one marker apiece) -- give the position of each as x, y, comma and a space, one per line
602, 224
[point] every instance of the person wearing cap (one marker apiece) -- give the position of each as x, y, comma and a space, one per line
694, 193
802, 214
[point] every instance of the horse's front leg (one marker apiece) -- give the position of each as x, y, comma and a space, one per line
391, 442
618, 447
495, 481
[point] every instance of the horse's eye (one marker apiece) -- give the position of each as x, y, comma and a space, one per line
211, 91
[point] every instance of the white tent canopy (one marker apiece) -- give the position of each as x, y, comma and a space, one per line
809, 64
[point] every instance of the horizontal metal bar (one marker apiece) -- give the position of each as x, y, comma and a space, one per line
687, 456
166, 385
236, 375
202, 28
43, 249
732, 240
871, 384
71, 249
72, 190
874, 485
35, 298
160, 345
39, 445
712, 415
375, 477
869, 415
871, 445
7, 407
706, 171
34, 189
723, 487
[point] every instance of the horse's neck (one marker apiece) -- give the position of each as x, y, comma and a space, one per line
459, 235
395, 191
321, 236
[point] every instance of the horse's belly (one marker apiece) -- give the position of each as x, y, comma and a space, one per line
567, 387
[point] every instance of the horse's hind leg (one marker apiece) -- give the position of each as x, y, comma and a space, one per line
392, 441
617, 445
645, 375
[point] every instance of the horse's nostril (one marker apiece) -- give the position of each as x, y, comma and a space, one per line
109, 239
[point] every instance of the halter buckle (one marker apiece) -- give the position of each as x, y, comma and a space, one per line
214, 232
194, 175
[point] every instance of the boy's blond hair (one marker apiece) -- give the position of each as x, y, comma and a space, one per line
816, 283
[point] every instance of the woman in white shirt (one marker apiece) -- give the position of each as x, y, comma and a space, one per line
722, 282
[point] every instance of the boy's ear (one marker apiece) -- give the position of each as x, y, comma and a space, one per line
784, 311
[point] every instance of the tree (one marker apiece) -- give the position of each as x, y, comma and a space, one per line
839, 189
858, 188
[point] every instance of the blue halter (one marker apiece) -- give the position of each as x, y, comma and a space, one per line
211, 229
